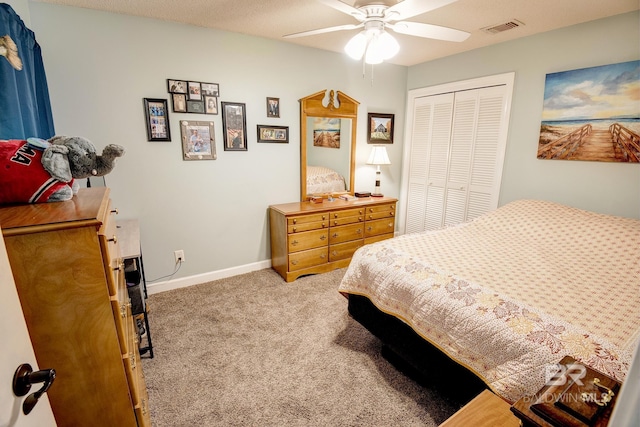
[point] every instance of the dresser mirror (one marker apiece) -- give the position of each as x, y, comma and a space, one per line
328, 122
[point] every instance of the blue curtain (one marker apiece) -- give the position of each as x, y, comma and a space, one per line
25, 109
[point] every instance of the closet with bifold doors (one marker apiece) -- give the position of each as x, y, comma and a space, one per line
454, 153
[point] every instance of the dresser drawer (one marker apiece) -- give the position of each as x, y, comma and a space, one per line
379, 226
110, 251
308, 240
303, 219
345, 213
121, 307
310, 258
344, 250
346, 233
346, 220
381, 211
307, 226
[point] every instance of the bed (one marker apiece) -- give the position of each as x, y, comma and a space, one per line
321, 180
508, 294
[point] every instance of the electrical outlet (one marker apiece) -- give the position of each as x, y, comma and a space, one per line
179, 254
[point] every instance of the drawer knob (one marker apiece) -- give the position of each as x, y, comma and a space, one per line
324, 225
334, 235
294, 243
295, 229
391, 213
390, 225
335, 215
369, 228
323, 237
294, 262
324, 217
359, 231
370, 209
295, 221
360, 212
114, 239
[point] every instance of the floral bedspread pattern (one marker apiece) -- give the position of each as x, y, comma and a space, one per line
561, 281
324, 180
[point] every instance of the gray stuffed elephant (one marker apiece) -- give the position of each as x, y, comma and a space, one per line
36, 170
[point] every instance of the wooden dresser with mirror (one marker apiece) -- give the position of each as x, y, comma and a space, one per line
69, 276
308, 237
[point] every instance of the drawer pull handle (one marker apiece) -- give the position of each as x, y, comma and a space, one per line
359, 231
294, 243
294, 262
114, 239
323, 237
115, 211
369, 228
334, 235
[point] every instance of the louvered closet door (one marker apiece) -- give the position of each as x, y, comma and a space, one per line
472, 185
457, 149
429, 158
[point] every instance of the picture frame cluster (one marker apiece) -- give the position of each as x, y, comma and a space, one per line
198, 136
193, 97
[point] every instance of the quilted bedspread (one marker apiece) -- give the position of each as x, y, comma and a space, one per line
512, 292
324, 180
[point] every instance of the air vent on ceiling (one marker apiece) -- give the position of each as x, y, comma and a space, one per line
495, 29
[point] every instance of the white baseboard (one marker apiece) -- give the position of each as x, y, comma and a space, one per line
183, 282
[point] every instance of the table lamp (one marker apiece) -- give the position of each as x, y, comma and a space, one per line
378, 157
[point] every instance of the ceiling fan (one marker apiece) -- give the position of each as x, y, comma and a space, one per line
374, 43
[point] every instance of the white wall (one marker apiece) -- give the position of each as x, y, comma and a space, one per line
612, 188
101, 65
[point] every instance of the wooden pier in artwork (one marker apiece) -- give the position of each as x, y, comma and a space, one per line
617, 144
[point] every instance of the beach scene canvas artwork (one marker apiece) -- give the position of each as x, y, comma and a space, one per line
592, 114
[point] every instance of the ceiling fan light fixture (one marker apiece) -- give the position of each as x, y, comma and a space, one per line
374, 44
356, 47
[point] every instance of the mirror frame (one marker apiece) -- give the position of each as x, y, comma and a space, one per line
312, 106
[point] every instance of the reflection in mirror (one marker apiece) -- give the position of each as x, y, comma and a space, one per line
327, 145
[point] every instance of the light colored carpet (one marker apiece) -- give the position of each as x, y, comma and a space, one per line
253, 350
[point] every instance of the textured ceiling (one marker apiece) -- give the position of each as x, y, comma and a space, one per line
275, 18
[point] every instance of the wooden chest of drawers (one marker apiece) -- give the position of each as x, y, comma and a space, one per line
308, 238
70, 279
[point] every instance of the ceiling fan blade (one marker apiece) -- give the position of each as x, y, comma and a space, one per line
429, 31
323, 30
345, 8
409, 8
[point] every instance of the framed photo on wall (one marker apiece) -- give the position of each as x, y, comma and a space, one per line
210, 104
198, 140
176, 86
380, 130
234, 126
156, 114
179, 101
273, 107
273, 134
195, 91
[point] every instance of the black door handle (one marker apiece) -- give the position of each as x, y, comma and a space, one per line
22, 380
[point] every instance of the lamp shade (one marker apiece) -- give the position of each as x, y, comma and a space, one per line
378, 156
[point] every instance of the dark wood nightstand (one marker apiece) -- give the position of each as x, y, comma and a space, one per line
563, 404
485, 410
